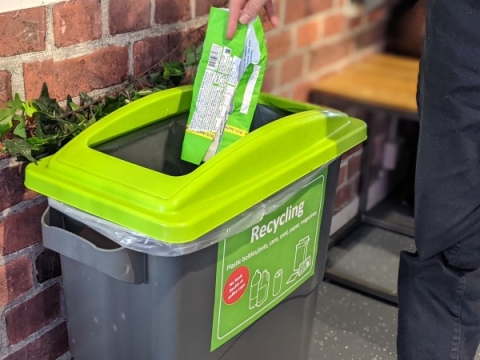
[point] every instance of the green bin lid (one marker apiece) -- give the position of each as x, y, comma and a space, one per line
180, 209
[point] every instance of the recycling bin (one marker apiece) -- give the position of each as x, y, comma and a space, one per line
164, 260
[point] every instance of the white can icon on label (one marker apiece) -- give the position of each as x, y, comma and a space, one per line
277, 282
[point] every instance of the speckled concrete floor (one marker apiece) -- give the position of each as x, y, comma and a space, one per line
370, 255
351, 326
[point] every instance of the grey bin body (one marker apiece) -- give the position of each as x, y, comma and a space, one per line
126, 305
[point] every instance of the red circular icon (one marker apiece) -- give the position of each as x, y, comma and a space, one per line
236, 285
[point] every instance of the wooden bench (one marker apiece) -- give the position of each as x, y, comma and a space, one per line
380, 82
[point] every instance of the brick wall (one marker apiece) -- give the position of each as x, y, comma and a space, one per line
31, 317
92, 46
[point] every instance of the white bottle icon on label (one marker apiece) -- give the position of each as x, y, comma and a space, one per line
263, 288
277, 282
254, 289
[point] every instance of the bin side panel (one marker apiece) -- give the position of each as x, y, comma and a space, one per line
170, 316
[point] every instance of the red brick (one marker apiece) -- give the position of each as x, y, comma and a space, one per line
22, 31
12, 189
168, 11
279, 44
342, 174
335, 24
355, 187
49, 346
203, 6
127, 15
22, 229
297, 10
194, 36
5, 87
292, 69
342, 197
356, 150
15, 279
329, 54
33, 314
378, 14
269, 79
354, 165
77, 21
355, 22
301, 92
149, 52
98, 70
308, 33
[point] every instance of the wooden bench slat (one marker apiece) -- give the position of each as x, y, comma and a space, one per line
379, 80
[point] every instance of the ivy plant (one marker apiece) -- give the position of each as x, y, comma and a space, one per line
37, 128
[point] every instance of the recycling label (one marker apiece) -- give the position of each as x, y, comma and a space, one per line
261, 266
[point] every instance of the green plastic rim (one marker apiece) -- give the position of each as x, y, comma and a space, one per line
181, 209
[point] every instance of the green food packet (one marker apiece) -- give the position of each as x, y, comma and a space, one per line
226, 88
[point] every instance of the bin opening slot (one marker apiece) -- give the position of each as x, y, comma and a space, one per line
158, 146
57, 219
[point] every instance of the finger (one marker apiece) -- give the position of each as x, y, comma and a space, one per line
251, 10
271, 13
235, 10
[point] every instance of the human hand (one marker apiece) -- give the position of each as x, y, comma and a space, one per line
244, 11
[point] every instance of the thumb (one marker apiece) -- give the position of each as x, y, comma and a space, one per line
251, 10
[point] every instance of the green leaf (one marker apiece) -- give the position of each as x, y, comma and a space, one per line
190, 57
144, 92
6, 117
68, 108
92, 121
20, 128
6, 112
44, 92
98, 112
81, 119
39, 133
46, 125
199, 51
193, 55
46, 104
69, 127
6, 124
16, 103
85, 99
38, 144
191, 60
166, 73
175, 68
29, 108
74, 106
155, 78
20, 147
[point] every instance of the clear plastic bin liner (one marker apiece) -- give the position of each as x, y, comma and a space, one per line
145, 244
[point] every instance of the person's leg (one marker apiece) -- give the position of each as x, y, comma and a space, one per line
439, 311
439, 286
